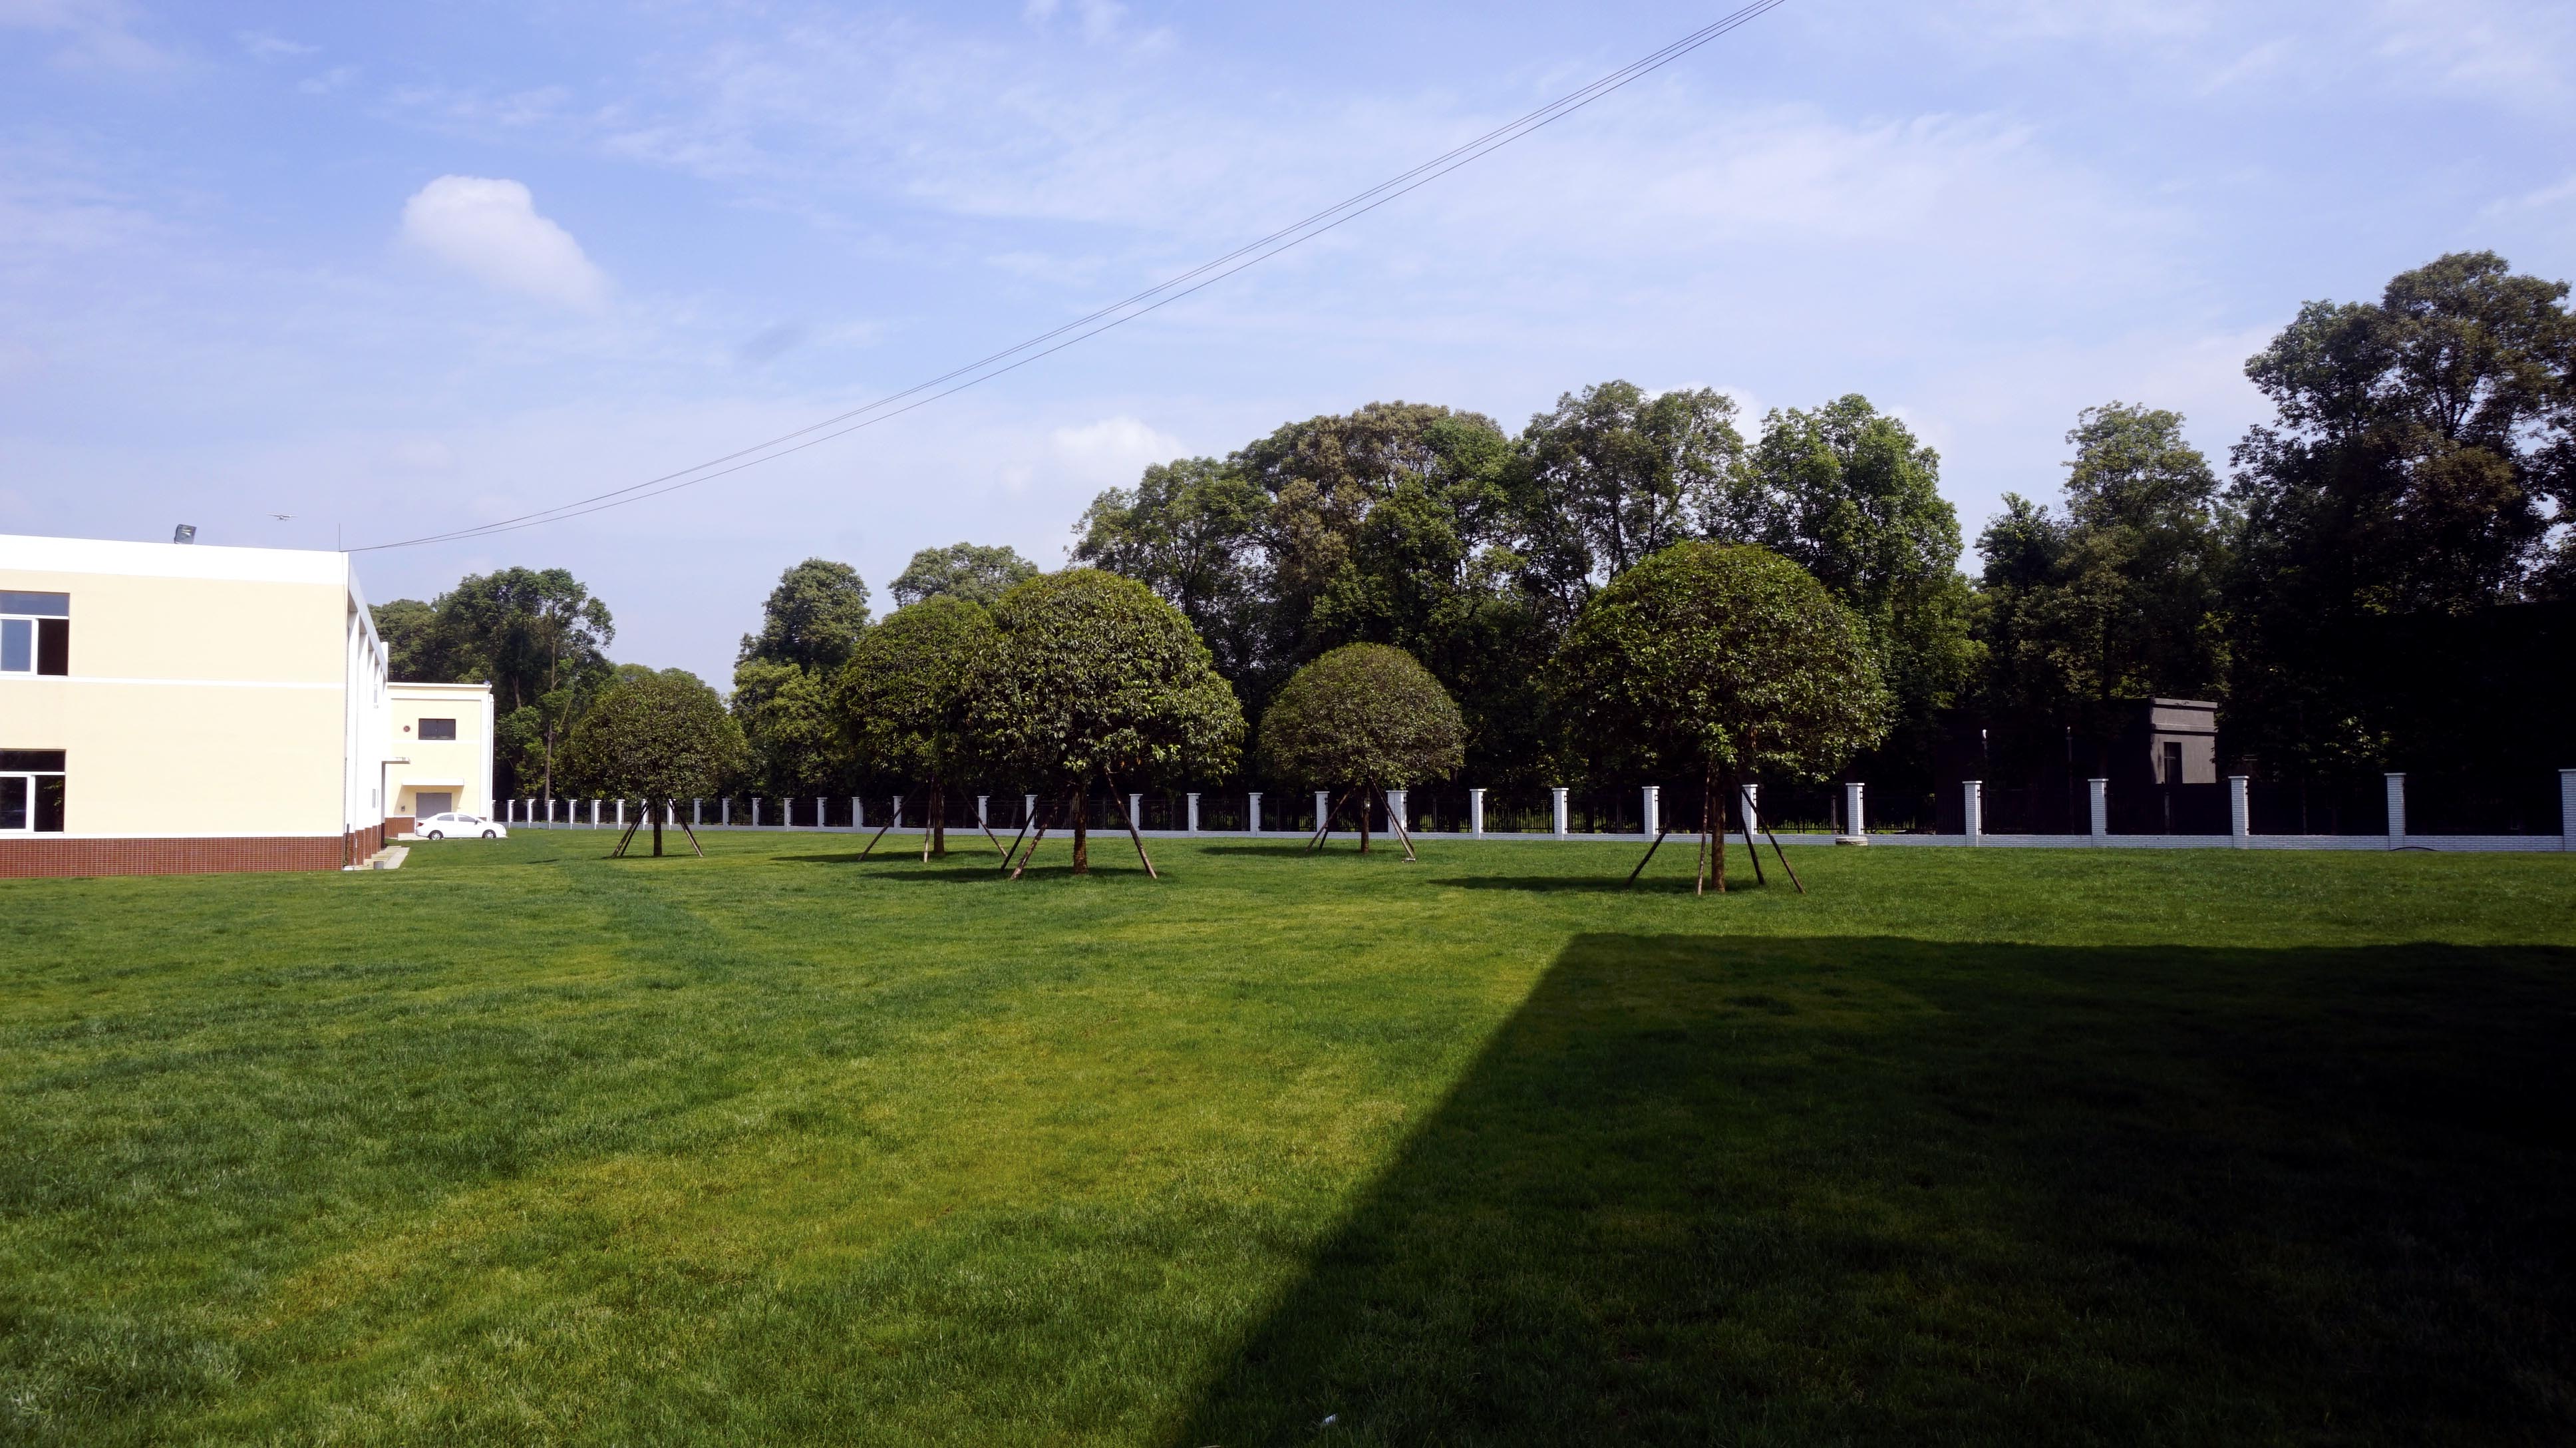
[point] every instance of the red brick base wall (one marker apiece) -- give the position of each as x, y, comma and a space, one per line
26, 856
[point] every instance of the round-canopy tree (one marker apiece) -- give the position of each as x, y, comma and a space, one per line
1096, 678
658, 737
1365, 717
904, 694
1720, 660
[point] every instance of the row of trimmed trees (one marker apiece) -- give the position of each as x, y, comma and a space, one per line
1704, 661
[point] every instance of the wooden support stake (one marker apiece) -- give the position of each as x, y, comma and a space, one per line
1033, 851
1751, 848
889, 824
1784, 861
1015, 844
1324, 826
693, 840
1650, 854
620, 852
1133, 833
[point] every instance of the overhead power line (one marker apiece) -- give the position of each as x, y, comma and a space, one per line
1154, 298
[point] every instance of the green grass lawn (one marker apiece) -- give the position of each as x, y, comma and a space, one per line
523, 1145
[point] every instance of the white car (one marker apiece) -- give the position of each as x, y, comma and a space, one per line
462, 826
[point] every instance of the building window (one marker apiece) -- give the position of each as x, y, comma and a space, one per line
35, 633
31, 791
437, 728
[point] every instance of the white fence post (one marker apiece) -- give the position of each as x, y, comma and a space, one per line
898, 813
2098, 805
819, 815
1752, 810
1972, 795
594, 811
697, 812
755, 811
1253, 814
2240, 812
1475, 811
1395, 811
1194, 814
2567, 810
1136, 812
1029, 803
1650, 810
858, 815
1853, 824
2396, 810
1556, 808
620, 822
1322, 807
983, 811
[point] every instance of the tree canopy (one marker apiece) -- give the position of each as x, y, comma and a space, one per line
1097, 679
1722, 659
905, 695
655, 735
961, 570
1367, 716
2423, 454
536, 635
2119, 598
1850, 495
791, 728
813, 618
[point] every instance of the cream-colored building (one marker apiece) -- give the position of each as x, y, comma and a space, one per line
441, 752
176, 707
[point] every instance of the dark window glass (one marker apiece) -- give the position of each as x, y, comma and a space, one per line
49, 803
43, 605
13, 801
53, 646
36, 760
437, 728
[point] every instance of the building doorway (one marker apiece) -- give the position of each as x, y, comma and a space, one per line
427, 802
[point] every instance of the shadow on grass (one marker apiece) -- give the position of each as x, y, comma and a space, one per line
1602, 884
1707, 1189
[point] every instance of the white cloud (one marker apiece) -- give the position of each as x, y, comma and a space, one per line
1111, 452
490, 230
2501, 52
96, 34
264, 46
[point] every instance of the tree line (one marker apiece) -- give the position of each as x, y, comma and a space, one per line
2406, 507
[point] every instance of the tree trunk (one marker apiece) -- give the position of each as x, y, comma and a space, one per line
1082, 832
939, 818
1699, 872
1717, 831
656, 807
1364, 814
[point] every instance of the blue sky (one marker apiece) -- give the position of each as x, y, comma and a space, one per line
395, 269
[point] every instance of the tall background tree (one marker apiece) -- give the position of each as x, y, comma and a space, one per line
2119, 598
2420, 464
783, 679
1850, 495
536, 635
1096, 680
1613, 474
961, 570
